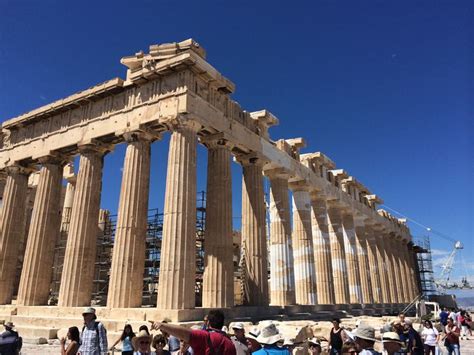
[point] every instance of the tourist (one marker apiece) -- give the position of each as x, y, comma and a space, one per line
289, 344
159, 342
349, 348
364, 337
268, 339
184, 349
414, 343
391, 344
443, 317
94, 335
141, 343
430, 338
451, 339
239, 339
10, 341
202, 340
314, 346
126, 339
145, 328
401, 318
335, 337
463, 321
402, 333
74, 340
173, 342
252, 336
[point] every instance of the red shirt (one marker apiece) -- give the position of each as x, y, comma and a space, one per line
221, 344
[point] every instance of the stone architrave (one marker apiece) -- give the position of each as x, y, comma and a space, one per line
303, 254
44, 229
282, 280
128, 256
322, 249
218, 278
350, 250
363, 261
254, 232
375, 271
383, 268
79, 259
12, 224
176, 288
338, 258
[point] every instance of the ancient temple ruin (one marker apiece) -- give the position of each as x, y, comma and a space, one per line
339, 252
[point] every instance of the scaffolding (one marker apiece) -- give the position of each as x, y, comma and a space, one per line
425, 266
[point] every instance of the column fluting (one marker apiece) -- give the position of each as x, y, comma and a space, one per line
218, 278
12, 225
44, 229
322, 250
176, 288
303, 254
128, 256
79, 259
350, 250
383, 267
363, 261
374, 265
338, 258
254, 233
282, 279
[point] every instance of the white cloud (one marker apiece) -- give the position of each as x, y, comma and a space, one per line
438, 252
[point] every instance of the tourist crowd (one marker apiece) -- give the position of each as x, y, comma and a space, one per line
398, 337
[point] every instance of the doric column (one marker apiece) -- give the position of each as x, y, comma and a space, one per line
407, 276
383, 266
375, 272
218, 278
305, 275
339, 267
363, 261
282, 277
395, 275
12, 220
128, 256
411, 267
350, 249
392, 285
37, 269
397, 247
178, 251
79, 260
322, 249
253, 232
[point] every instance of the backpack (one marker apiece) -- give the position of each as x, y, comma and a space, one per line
19, 343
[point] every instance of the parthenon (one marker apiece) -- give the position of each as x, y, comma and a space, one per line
331, 248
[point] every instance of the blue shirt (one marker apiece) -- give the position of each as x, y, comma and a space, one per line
127, 344
272, 349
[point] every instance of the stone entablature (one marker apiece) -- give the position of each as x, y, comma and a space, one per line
173, 88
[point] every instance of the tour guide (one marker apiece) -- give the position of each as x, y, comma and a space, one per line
210, 341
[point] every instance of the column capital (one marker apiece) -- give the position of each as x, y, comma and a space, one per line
277, 173
20, 169
94, 147
53, 159
140, 135
299, 185
182, 122
253, 158
217, 140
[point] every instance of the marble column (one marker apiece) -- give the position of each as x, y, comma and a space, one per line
350, 250
375, 272
407, 275
79, 259
322, 249
338, 258
383, 267
128, 255
392, 285
305, 274
254, 233
176, 288
363, 261
411, 263
218, 278
403, 297
397, 287
45, 223
282, 280
12, 225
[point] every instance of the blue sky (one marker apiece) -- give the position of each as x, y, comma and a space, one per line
384, 88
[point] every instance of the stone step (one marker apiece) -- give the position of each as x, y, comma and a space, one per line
36, 332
